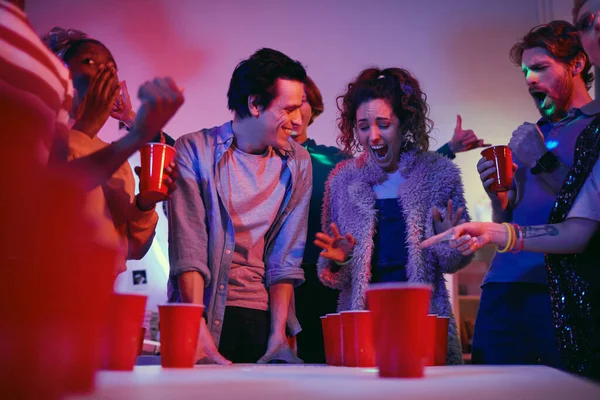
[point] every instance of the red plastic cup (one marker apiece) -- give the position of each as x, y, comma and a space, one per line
441, 340
502, 157
333, 324
357, 332
140, 349
179, 330
399, 320
326, 341
430, 339
123, 334
155, 157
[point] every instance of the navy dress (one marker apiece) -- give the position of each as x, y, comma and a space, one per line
390, 255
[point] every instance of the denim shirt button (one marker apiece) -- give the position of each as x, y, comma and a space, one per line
221, 287
227, 251
217, 322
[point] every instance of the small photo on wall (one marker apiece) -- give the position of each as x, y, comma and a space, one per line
139, 277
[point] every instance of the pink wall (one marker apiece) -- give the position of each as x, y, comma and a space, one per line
458, 49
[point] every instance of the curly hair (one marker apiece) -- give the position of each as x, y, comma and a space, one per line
561, 40
258, 76
401, 90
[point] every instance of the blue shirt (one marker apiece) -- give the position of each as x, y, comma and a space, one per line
201, 234
537, 198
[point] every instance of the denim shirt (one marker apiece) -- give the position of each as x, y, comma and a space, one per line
201, 234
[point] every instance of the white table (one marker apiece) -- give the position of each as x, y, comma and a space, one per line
306, 382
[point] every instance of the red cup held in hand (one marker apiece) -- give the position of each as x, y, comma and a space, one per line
399, 321
155, 157
502, 157
179, 330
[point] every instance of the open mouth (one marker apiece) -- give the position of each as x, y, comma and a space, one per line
380, 151
540, 98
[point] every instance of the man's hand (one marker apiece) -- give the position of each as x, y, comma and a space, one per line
464, 140
170, 179
500, 200
206, 351
528, 144
93, 110
279, 349
161, 99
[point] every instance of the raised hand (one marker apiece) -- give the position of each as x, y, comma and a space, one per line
464, 140
161, 98
452, 219
94, 109
336, 247
528, 144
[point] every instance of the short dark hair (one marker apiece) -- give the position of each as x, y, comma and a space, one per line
401, 90
577, 8
561, 40
314, 98
257, 76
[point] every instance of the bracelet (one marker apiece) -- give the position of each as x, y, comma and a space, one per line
521, 239
511, 235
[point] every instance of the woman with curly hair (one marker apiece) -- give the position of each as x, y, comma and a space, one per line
390, 198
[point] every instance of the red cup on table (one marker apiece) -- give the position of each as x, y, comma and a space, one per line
399, 320
333, 339
327, 341
155, 157
126, 315
179, 330
140, 349
502, 158
441, 340
357, 338
430, 339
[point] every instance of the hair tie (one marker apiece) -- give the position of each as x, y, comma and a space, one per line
381, 76
406, 88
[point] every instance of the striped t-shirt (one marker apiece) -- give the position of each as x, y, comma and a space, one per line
36, 91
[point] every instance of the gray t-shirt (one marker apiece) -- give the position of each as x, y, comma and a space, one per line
254, 188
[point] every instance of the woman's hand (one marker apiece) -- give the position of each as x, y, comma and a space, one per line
452, 219
336, 247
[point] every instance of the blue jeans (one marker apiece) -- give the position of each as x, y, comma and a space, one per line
514, 326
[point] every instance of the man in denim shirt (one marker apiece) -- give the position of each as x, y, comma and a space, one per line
237, 225
514, 321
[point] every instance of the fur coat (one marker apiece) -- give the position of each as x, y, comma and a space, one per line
430, 179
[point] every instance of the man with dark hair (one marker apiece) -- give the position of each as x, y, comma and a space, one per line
237, 226
514, 321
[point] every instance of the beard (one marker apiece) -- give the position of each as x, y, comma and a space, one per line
558, 99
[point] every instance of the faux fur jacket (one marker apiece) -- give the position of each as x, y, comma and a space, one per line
430, 179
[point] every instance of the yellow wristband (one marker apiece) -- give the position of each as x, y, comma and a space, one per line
509, 243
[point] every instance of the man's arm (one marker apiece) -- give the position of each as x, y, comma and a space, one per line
280, 297
191, 287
